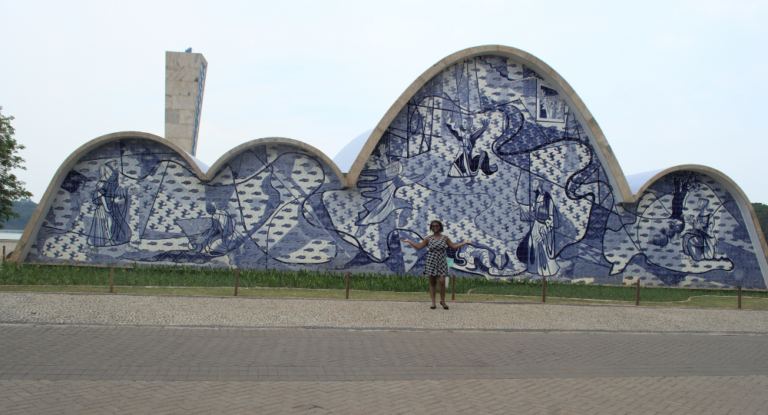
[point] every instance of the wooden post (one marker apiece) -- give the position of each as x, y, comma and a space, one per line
112, 279
453, 288
347, 295
237, 279
3, 254
543, 289
637, 295
739, 296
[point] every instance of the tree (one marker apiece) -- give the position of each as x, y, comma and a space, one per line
761, 211
11, 188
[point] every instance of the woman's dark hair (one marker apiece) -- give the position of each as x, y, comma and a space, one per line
440, 224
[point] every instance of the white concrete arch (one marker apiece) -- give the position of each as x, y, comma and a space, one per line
203, 172
22, 248
303, 147
604, 152
745, 206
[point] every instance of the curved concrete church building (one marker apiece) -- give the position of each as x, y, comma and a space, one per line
490, 140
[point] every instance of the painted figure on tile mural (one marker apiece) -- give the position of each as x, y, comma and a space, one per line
219, 236
700, 243
110, 224
537, 250
550, 104
466, 164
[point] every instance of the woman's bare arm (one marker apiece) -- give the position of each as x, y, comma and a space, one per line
459, 245
413, 244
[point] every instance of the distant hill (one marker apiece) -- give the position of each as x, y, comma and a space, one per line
24, 208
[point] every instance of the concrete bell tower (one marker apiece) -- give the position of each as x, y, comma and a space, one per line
184, 87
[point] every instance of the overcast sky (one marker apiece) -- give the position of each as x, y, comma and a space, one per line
669, 82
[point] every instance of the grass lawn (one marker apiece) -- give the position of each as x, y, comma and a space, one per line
308, 284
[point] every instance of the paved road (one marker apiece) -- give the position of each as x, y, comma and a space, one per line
100, 369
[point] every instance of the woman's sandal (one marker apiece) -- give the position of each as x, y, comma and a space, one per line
432, 308
445, 307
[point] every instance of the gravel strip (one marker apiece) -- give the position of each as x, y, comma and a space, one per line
360, 314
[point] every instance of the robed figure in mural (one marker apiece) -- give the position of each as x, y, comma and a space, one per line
537, 250
700, 243
219, 235
466, 163
110, 224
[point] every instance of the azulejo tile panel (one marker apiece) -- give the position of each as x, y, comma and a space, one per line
487, 146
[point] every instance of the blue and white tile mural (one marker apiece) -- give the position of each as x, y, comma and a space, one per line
487, 146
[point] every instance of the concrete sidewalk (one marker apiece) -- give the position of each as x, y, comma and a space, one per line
252, 312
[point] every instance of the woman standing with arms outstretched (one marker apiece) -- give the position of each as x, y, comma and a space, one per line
436, 267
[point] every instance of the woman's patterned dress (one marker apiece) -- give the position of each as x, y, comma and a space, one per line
436, 264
